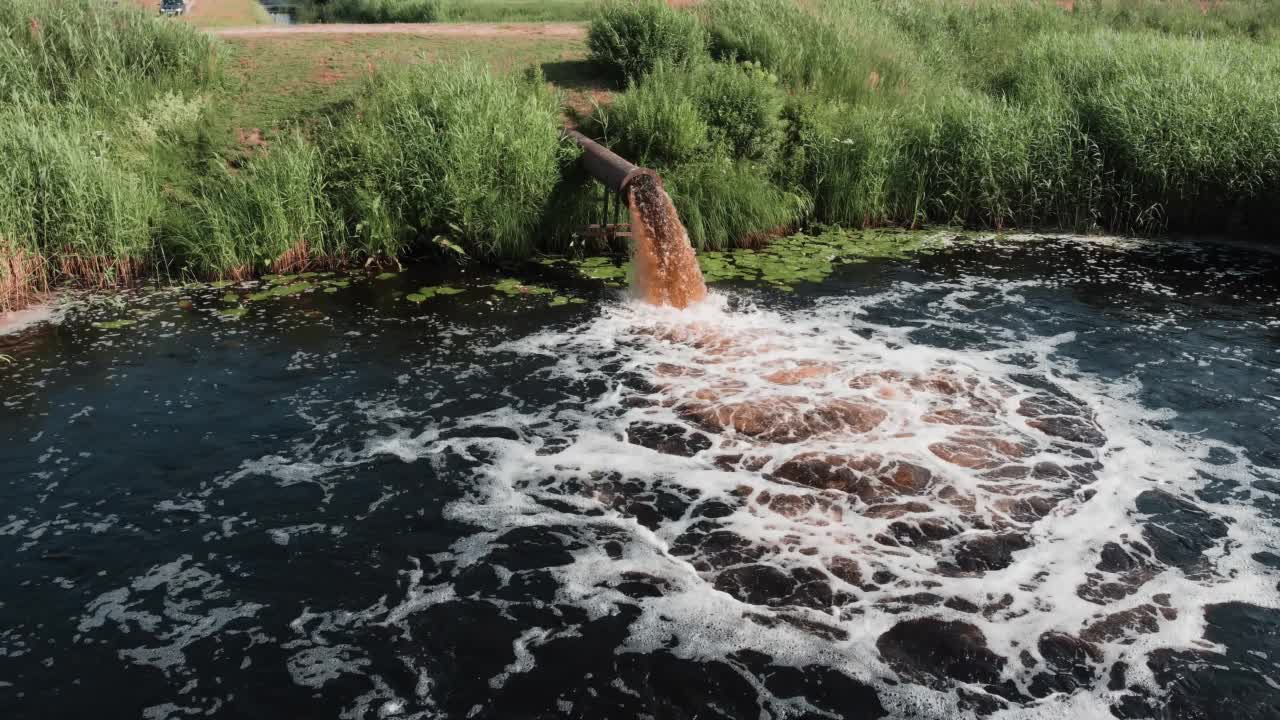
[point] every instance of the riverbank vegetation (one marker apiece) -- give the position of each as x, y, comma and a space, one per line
122, 159
1134, 117
456, 11
118, 163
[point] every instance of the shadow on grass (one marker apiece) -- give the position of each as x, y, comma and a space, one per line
577, 75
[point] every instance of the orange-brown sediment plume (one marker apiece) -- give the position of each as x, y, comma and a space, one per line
667, 270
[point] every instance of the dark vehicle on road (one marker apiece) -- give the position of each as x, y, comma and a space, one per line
173, 7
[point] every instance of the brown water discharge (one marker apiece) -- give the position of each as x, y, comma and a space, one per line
667, 270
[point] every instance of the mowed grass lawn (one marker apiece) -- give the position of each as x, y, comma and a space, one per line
283, 78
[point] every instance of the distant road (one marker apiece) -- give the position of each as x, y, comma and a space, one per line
564, 30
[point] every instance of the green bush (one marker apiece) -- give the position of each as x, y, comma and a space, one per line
457, 150
742, 106
382, 11
632, 37
657, 122
677, 114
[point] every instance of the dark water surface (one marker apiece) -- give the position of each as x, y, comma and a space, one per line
345, 504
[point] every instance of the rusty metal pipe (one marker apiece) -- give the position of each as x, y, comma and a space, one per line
611, 169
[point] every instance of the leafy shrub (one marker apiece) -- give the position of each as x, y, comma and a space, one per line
678, 114
383, 11
657, 122
632, 37
742, 106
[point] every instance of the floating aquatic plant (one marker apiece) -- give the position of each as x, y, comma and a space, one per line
785, 262
426, 293
511, 286
280, 291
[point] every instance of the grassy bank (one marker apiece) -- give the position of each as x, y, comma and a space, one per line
122, 162
1134, 117
127, 153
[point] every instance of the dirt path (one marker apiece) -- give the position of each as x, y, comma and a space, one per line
562, 30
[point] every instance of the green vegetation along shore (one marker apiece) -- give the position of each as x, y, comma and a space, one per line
123, 161
457, 11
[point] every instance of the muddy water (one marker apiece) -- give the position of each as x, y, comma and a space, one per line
1012, 478
666, 270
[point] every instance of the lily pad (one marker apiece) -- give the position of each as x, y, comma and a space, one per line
426, 293
279, 291
230, 298
603, 268
233, 313
386, 276
511, 286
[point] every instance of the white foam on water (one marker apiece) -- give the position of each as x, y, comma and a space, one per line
986, 428
49, 311
193, 605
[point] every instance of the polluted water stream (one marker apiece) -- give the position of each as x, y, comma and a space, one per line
899, 476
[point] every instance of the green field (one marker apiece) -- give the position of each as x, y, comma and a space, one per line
279, 80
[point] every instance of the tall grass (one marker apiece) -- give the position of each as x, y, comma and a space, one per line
846, 49
89, 92
457, 150
724, 203
91, 52
1186, 128
64, 200
760, 114
993, 113
273, 215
